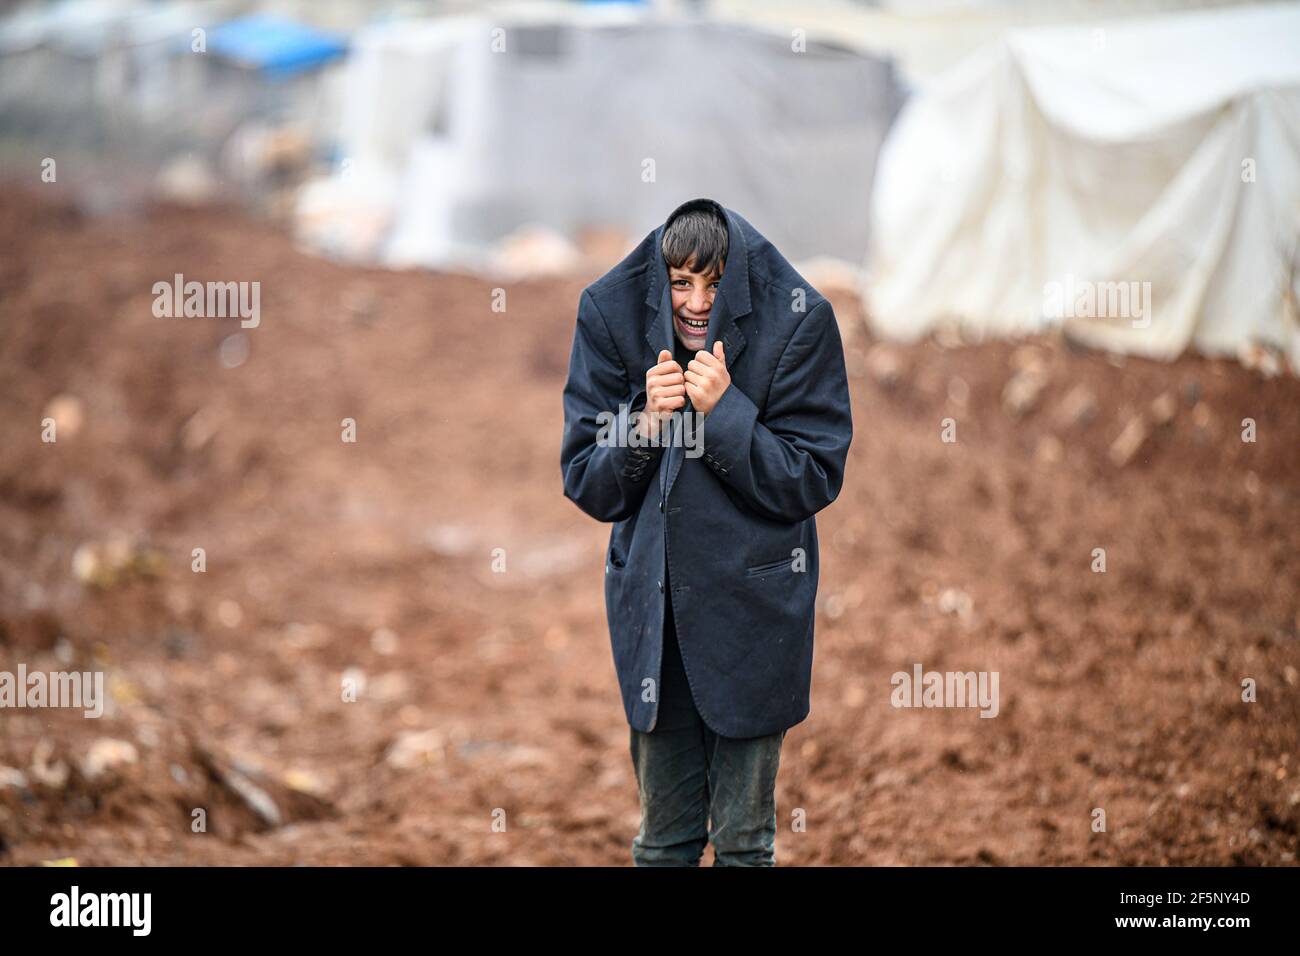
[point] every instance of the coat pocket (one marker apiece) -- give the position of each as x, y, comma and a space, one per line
785, 564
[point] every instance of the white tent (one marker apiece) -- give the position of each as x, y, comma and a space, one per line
1136, 181
466, 130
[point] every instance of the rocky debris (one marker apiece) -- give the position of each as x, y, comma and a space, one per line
271, 801
237, 780
199, 428
518, 756
45, 769
69, 415
229, 613
1127, 443
107, 755
1138, 428
1030, 376
450, 541
416, 748
1049, 450
386, 688
958, 392
1021, 393
360, 302
1261, 358
1078, 408
384, 641
884, 365
948, 335
12, 777
955, 601
1164, 408
106, 564
548, 558
304, 781
1029, 358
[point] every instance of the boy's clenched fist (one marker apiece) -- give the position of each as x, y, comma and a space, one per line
665, 389
707, 378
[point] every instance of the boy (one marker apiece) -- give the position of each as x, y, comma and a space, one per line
712, 568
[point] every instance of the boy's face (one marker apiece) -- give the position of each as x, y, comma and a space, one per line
693, 294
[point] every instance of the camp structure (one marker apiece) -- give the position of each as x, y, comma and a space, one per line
1135, 182
457, 132
126, 93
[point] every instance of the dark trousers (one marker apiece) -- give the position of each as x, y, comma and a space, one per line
697, 787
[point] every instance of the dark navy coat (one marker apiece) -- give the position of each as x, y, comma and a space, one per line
734, 526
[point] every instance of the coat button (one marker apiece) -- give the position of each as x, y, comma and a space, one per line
661, 504
661, 587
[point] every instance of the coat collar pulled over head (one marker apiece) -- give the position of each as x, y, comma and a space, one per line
731, 302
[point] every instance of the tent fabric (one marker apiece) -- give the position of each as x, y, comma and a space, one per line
278, 46
608, 123
1160, 158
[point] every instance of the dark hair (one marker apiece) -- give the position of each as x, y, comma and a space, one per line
699, 233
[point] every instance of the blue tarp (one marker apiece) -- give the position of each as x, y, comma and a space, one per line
277, 46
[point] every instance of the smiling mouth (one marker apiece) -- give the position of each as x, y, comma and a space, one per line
693, 327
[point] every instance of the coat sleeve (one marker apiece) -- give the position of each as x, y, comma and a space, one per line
604, 476
790, 465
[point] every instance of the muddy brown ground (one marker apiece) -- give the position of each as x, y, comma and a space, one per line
492, 696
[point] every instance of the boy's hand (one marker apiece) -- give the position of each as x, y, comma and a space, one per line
707, 378
665, 391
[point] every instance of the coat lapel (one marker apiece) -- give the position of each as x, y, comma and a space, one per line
659, 330
721, 325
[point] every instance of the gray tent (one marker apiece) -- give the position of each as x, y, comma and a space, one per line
584, 122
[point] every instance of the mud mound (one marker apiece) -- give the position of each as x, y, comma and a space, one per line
355, 678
